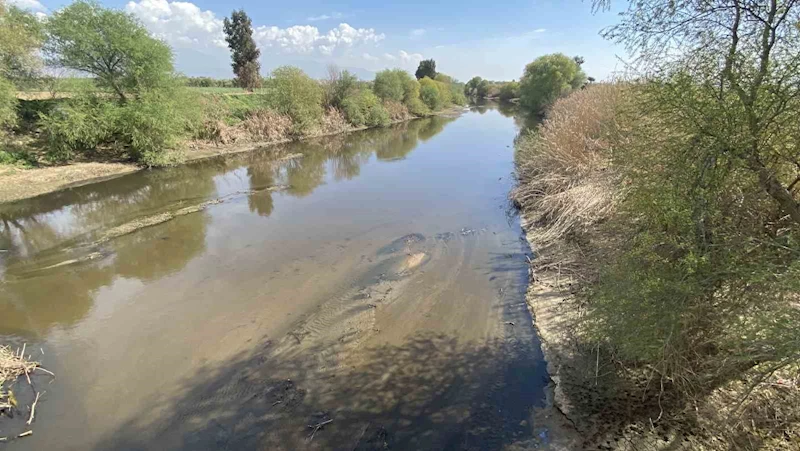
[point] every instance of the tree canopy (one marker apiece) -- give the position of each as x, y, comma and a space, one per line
109, 44
21, 35
547, 78
427, 68
244, 53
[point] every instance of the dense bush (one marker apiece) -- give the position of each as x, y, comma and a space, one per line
547, 78
338, 86
8, 105
390, 84
364, 108
78, 126
509, 91
298, 96
430, 95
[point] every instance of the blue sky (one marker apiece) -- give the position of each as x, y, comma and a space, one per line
466, 38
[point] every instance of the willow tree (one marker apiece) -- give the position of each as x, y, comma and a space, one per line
707, 287
110, 45
244, 53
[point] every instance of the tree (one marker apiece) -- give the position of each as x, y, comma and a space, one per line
743, 58
392, 84
547, 78
477, 87
427, 68
21, 35
111, 45
509, 91
339, 85
298, 96
244, 53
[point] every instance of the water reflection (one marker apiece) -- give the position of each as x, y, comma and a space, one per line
52, 263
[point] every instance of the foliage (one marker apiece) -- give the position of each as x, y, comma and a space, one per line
110, 45
207, 82
547, 78
364, 108
426, 68
457, 96
477, 87
393, 84
298, 96
78, 126
509, 91
429, 94
338, 86
8, 105
244, 53
21, 35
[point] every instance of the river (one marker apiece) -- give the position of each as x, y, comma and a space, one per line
363, 291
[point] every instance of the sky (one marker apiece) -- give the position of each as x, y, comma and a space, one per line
494, 40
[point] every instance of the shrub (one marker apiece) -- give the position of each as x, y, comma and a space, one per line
298, 96
338, 86
365, 109
548, 78
333, 121
392, 84
457, 95
8, 105
430, 94
509, 91
417, 107
78, 126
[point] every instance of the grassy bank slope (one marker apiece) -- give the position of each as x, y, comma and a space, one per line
665, 286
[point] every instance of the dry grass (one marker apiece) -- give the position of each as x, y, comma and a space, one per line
267, 125
397, 111
13, 364
563, 170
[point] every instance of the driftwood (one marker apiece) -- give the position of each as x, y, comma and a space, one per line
33, 409
317, 427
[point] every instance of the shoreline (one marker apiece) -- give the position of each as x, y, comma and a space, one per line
41, 181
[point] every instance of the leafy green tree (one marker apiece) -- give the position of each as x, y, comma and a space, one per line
547, 78
298, 96
365, 108
239, 36
339, 85
509, 91
430, 94
477, 87
391, 84
109, 44
426, 68
21, 35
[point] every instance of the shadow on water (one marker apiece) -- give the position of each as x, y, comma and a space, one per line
430, 392
51, 269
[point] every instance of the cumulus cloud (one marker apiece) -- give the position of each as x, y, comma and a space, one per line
179, 23
369, 57
410, 57
389, 57
28, 4
183, 24
305, 39
417, 33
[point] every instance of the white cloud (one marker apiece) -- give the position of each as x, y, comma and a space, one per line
410, 57
304, 39
540, 30
389, 57
417, 33
179, 23
28, 4
369, 57
333, 15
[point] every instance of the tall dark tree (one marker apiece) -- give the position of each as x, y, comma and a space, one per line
244, 53
427, 68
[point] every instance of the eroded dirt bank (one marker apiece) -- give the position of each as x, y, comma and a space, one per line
18, 184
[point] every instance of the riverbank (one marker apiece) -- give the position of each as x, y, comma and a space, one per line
18, 183
608, 334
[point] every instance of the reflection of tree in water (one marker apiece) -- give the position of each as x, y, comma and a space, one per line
32, 234
432, 127
261, 175
154, 252
33, 305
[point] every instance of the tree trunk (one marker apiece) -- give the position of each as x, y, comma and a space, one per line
778, 192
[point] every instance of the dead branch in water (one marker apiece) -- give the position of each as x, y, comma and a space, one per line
33, 409
317, 427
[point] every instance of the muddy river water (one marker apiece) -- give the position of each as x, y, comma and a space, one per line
355, 292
